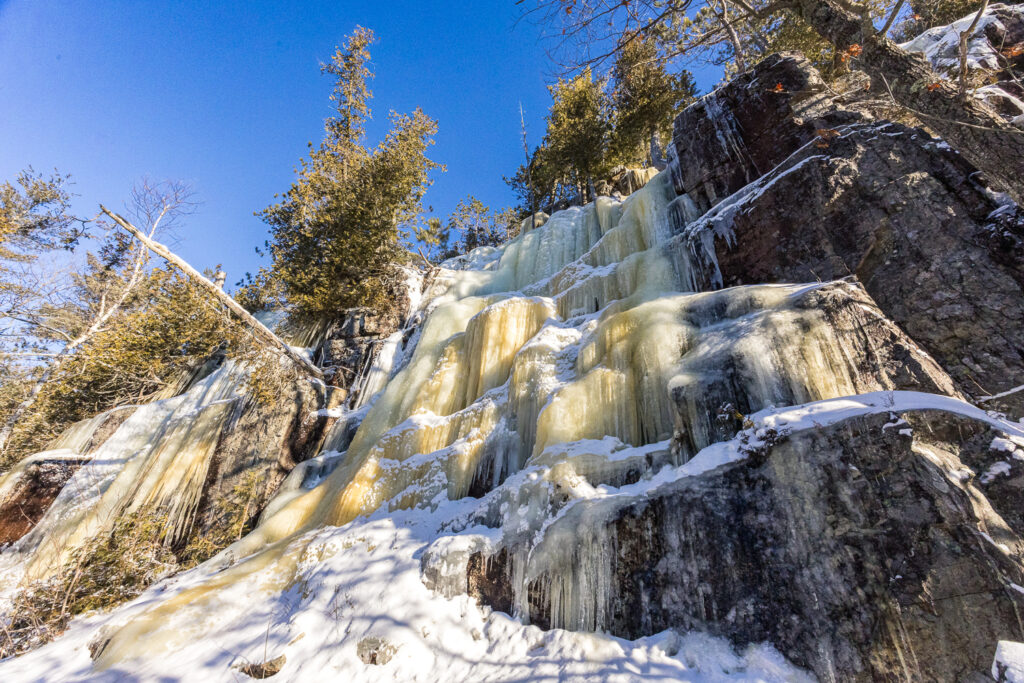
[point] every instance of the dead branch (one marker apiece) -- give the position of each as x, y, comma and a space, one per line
259, 329
963, 48
892, 18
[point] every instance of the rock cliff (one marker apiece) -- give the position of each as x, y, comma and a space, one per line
754, 421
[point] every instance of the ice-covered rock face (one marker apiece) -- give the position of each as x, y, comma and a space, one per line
179, 457
158, 457
852, 546
573, 359
940, 254
583, 429
511, 361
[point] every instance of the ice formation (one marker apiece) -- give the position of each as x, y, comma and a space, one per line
575, 363
158, 457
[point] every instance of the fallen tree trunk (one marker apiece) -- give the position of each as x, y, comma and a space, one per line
972, 127
259, 329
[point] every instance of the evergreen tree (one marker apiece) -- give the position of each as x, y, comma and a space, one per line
34, 218
589, 131
260, 292
507, 224
339, 230
472, 224
645, 98
436, 238
852, 29
579, 123
535, 184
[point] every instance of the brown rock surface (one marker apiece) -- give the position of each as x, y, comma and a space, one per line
32, 495
861, 551
892, 206
265, 439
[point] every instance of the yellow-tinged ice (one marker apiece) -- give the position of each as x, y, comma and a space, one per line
580, 331
158, 458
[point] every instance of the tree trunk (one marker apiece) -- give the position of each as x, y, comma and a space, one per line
259, 330
963, 49
658, 160
529, 171
737, 46
970, 126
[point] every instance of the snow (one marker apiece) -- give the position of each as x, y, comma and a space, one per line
1008, 445
1008, 664
780, 422
1019, 388
362, 581
554, 363
998, 469
831, 411
941, 45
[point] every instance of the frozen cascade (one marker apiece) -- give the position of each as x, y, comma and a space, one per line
581, 433
383, 359
580, 363
76, 437
574, 358
158, 458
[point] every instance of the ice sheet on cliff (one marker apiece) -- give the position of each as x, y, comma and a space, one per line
571, 365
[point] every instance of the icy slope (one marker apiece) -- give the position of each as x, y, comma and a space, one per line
553, 392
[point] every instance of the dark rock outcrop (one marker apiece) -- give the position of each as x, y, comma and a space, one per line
265, 441
882, 201
744, 129
352, 343
33, 493
28, 496
862, 550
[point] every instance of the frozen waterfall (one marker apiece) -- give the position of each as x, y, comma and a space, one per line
568, 364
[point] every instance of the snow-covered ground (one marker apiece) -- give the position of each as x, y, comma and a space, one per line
362, 581
553, 362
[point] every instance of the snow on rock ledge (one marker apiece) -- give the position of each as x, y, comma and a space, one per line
995, 50
853, 546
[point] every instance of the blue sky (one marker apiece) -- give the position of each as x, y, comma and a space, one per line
225, 96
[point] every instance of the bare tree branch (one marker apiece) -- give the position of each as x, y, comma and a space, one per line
892, 18
265, 335
963, 48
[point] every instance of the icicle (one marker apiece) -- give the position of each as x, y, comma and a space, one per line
159, 456
579, 355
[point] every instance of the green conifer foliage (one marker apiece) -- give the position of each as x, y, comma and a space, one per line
339, 230
579, 125
646, 99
